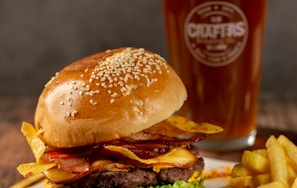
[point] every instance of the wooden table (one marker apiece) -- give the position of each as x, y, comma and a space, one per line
277, 115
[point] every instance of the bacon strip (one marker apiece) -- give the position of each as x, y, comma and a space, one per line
77, 160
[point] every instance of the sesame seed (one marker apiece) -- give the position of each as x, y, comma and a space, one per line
50, 81
89, 93
119, 74
73, 113
137, 77
92, 102
104, 85
87, 88
114, 94
101, 73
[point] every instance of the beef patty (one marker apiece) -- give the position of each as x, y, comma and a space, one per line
135, 177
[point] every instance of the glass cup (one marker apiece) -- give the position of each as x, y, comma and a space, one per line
216, 48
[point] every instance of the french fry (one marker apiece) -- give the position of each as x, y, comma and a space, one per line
239, 170
289, 147
278, 164
274, 166
294, 185
292, 164
261, 179
255, 162
291, 174
274, 184
262, 152
244, 181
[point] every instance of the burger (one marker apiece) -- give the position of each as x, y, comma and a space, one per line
108, 120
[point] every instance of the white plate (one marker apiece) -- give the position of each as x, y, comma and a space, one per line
210, 166
218, 166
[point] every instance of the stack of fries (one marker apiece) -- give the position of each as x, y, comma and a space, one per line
272, 167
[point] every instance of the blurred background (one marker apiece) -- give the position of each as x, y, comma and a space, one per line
39, 37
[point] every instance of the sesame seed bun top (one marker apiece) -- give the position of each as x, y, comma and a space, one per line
107, 96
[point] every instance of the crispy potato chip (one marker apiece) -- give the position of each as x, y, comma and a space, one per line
36, 144
29, 169
175, 157
59, 176
175, 126
28, 181
189, 126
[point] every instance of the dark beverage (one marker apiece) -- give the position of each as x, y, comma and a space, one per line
216, 48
